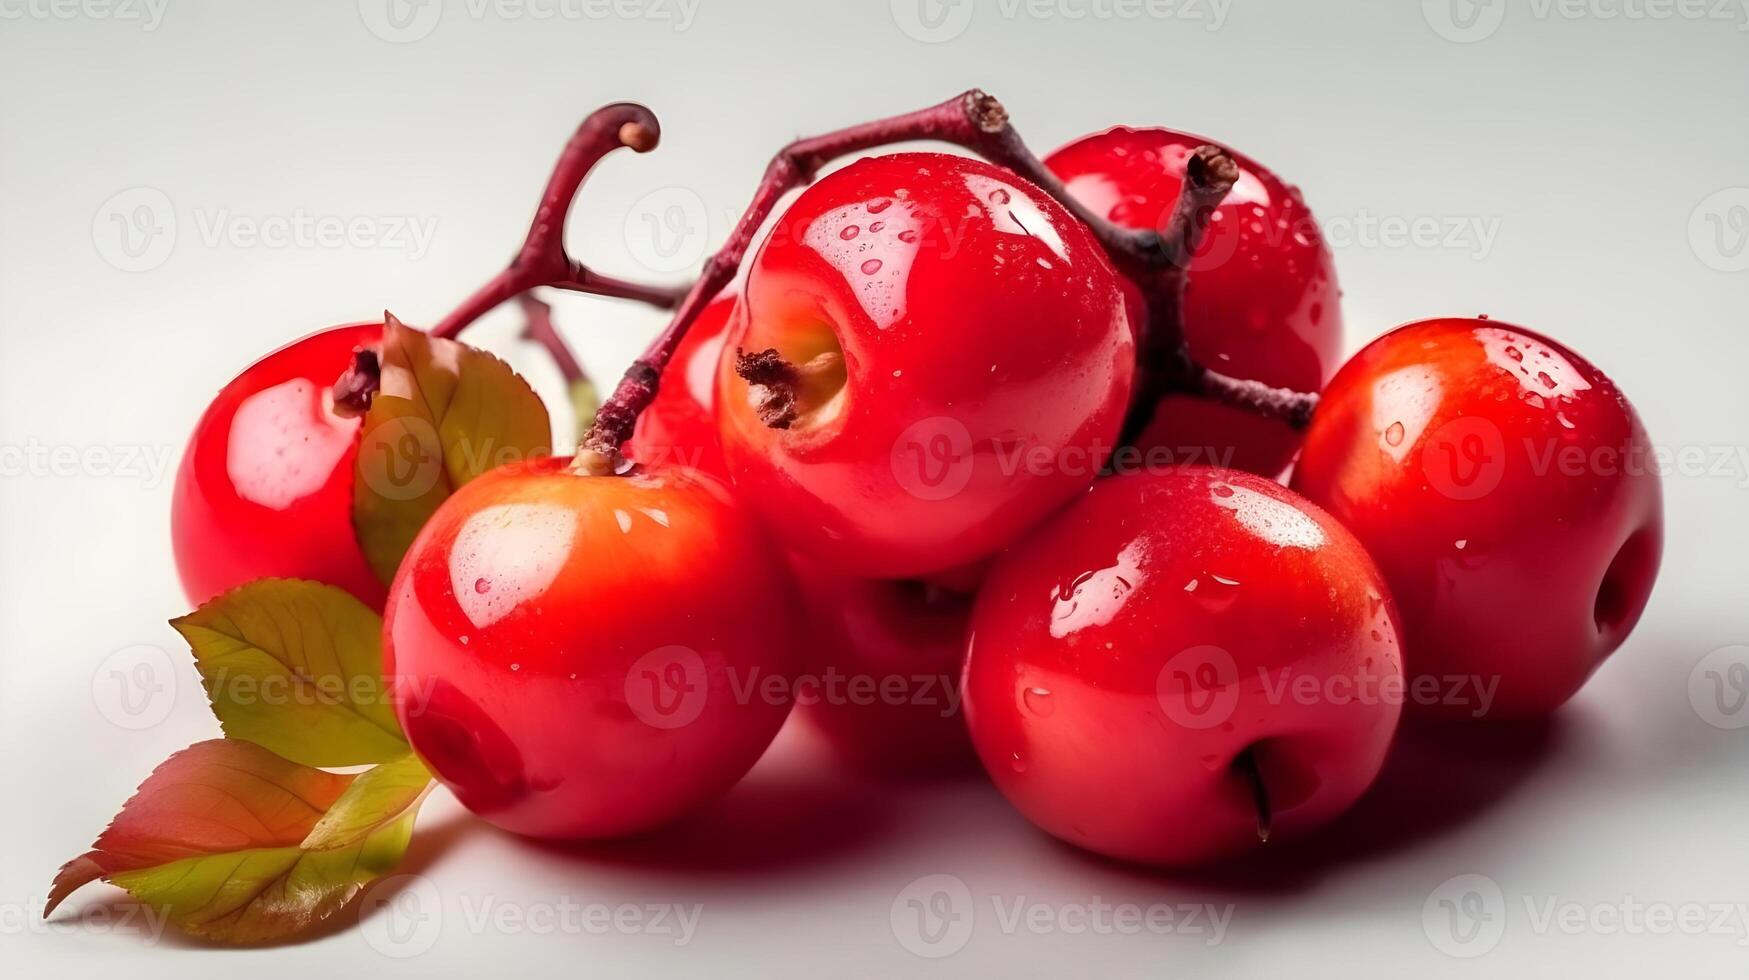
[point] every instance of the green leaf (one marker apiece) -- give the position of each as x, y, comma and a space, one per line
237, 845
297, 667
391, 788
585, 402
443, 414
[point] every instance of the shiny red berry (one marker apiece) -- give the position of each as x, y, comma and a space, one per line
1261, 298
1509, 493
934, 355
886, 659
587, 657
265, 486
1181, 661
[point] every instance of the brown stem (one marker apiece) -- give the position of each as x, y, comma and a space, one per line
1284, 404
1163, 361
542, 260
1209, 175
538, 327
1246, 766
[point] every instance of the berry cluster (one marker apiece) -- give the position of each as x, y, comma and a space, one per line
985, 432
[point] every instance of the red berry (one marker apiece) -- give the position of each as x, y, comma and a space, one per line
1506, 489
680, 426
952, 362
585, 657
887, 658
265, 486
1261, 298
1172, 635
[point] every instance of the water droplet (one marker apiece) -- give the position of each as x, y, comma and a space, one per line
1016, 763
871, 267
849, 231
1394, 434
515, 666
1038, 701
1461, 543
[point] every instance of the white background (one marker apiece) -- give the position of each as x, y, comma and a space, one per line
1593, 158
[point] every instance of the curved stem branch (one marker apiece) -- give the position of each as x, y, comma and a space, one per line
1284, 404
538, 328
542, 260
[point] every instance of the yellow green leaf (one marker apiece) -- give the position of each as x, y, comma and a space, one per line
393, 787
213, 796
585, 402
297, 667
236, 845
443, 413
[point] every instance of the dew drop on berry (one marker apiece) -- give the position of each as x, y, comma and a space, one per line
1394, 434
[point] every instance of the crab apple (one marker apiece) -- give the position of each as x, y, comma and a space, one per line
1181, 663
932, 356
1508, 491
590, 656
680, 425
264, 489
887, 657
1261, 300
